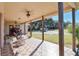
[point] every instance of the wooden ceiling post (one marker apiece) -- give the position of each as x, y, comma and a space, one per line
24, 28
30, 29
42, 28
61, 29
73, 30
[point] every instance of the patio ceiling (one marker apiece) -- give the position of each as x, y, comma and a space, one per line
14, 11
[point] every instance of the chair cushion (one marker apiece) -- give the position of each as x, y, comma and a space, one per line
17, 44
14, 39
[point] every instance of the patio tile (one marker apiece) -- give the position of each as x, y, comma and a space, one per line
6, 51
46, 49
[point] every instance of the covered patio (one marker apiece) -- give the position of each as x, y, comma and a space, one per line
15, 13
34, 47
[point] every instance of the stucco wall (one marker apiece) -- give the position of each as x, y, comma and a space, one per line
6, 27
1, 30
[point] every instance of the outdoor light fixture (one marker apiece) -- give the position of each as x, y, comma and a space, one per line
15, 22
19, 18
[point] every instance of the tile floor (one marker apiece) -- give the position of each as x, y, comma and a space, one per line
46, 49
6, 51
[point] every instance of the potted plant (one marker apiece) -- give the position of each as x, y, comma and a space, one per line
77, 35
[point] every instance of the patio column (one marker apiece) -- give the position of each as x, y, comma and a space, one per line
73, 30
1, 30
24, 28
42, 28
61, 29
31, 29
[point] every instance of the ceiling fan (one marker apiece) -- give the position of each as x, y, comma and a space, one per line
28, 13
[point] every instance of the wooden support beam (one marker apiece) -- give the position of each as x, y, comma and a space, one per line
72, 4
73, 30
61, 29
31, 29
42, 28
24, 28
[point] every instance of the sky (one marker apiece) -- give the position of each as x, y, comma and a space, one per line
68, 16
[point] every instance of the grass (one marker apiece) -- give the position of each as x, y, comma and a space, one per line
55, 38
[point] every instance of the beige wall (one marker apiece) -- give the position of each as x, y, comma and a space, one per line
1, 30
0, 52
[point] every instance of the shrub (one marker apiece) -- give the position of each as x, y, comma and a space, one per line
77, 31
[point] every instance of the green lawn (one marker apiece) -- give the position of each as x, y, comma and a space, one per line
55, 38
